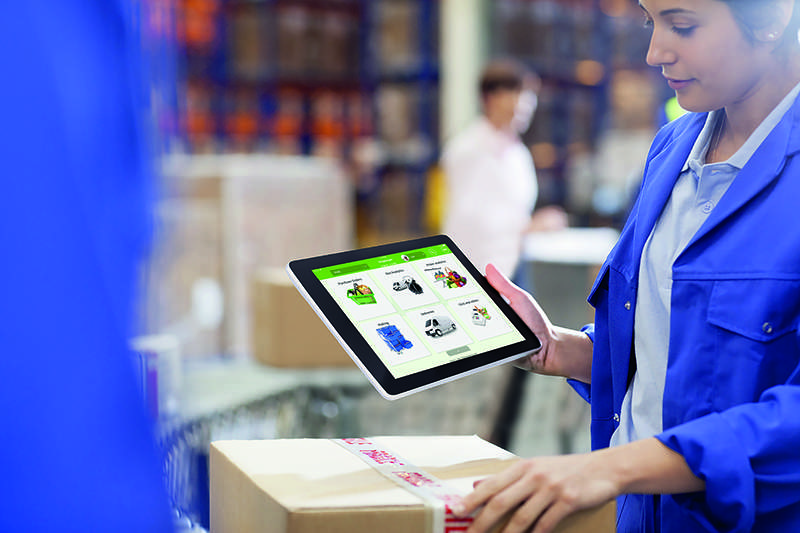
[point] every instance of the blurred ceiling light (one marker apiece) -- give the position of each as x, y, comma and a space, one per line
614, 8
589, 72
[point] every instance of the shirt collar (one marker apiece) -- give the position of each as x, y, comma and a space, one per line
697, 156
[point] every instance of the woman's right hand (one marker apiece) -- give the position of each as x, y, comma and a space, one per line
564, 352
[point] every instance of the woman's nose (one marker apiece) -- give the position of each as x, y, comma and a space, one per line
659, 52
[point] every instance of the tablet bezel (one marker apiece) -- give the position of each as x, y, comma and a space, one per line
301, 273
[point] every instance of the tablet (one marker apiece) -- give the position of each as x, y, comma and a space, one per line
412, 314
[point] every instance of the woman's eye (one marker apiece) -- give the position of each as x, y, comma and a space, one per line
683, 31
647, 23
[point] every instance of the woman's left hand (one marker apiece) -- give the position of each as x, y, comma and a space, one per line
540, 491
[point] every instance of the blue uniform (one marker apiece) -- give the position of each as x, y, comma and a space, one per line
77, 450
732, 392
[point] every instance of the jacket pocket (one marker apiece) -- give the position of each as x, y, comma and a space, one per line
759, 309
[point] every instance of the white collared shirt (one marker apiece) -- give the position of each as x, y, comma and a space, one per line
491, 190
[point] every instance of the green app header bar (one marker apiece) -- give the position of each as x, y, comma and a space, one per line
382, 261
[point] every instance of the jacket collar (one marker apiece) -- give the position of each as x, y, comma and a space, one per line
761, 170
665, 167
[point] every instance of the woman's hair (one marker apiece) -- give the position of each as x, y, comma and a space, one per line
753, 15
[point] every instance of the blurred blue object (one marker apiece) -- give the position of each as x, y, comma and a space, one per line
77, 450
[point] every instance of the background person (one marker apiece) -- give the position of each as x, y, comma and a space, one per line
692, 366
490, 176
491, 192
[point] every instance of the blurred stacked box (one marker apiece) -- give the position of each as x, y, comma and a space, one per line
396, 38
188, 248
224, 218
251, 50
285, 332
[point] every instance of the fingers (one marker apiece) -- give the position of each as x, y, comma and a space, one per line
516, 296
552, 516
544, 509
487, 488
502, 505
520, 300
539, 493
500, 495
533, 492
528, 513
499, 281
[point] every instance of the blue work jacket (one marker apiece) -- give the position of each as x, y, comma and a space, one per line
77, 450
732, 395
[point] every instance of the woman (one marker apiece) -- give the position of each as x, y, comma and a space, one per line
692, 366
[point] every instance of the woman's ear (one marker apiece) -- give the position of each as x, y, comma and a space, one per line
779, 15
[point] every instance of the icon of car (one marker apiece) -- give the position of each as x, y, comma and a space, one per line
436, 326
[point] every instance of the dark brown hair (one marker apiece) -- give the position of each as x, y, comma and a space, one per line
503, 74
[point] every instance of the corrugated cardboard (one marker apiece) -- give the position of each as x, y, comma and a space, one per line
315, 485
285, 331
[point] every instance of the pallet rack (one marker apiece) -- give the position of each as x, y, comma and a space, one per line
577, 47
352, 79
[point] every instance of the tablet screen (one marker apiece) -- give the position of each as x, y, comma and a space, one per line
412, 314
418, 309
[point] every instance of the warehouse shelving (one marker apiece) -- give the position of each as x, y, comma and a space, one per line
352, 79
579, 48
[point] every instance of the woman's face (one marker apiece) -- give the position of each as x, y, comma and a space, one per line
703, 53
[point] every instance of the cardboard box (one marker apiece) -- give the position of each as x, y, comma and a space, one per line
285, 331
187, 249
314, 485
226, 216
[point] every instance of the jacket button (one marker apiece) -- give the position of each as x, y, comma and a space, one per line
767, 328
616, 417
628, 306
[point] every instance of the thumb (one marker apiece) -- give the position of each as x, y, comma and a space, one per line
520, 300
500, 281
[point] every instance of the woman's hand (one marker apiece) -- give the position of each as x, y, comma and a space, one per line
545, 490
540, 491
564, 352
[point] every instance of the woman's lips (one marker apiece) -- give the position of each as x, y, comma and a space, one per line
677, 85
